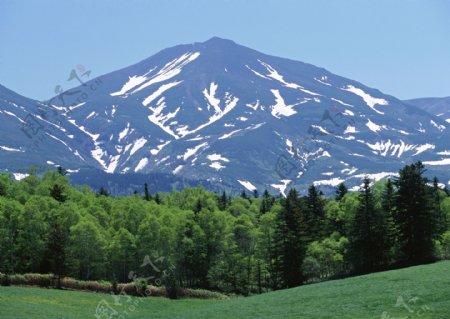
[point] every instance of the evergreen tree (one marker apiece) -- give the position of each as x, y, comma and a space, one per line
266, 202
341, 191
255, 193
367, 234
147, 195
292, 239
222, 201
414, 216
61, 171
157, 199
316, 214
244, 195
102, 192
388, 212
439, 215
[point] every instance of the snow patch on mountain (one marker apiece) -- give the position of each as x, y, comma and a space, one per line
370, 100
249, 186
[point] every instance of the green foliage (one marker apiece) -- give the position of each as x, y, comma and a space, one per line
243, 245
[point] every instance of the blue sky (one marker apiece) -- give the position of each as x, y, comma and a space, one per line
400, 47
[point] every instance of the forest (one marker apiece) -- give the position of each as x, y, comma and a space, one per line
244, 245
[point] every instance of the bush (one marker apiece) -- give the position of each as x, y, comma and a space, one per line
5, 280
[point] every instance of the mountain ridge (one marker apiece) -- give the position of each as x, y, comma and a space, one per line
238, 118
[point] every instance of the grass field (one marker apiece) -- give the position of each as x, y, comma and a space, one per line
419, 292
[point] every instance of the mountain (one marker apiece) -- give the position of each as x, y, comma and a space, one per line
237, 118
439, 106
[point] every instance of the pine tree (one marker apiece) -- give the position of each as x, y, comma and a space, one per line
266, 202
255, 193
367, 234
157, 199
102, 192
341, 191
292, 239
147, 195
414, 216
222, 201
316, 214
388, 212
439, 215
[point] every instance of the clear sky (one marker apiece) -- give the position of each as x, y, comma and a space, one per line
401, 47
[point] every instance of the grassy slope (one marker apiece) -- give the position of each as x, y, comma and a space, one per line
360, 297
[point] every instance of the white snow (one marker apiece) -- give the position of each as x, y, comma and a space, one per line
159, 91
227, 135
253, 106
348, 112
439, 127
160, 119
11, 149
91, 115
374, 127
216, 165
328, 173
230, 104
349, 171
282, 187
322, 80
444, 153
280, 108
350, 129
444, 161
114, 160
424, 147
217, 157
370, 100
278, 77
178, 169
14, 115
50, 163
335, 181
158, 148
211, 97
138, 144
124, 132
375, 176
191, 151
133, 81
242, 119
249, 186
20, 176
340, 102
321, 129
170, 70
142, 163
93, 136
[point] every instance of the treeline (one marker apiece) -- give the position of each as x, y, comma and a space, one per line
198, 239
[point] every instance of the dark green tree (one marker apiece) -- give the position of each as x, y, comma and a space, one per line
147, 195
414, 215
292, 239
366, 248
341, 191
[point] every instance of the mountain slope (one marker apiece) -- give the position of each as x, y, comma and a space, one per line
439, 106
239, 118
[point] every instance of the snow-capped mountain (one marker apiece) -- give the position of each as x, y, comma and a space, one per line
439, 106
239, 118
